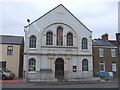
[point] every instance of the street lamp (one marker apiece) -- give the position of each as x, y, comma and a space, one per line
28, 20
118, 47
27, 38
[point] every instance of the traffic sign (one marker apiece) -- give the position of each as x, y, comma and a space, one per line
118, 38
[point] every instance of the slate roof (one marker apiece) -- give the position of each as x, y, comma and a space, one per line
7, 39
114, 42
101, 42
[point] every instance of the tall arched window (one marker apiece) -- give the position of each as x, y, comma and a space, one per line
32, 64
84, 43
69, 39
59, 36
49, 38
32, 41
85, 65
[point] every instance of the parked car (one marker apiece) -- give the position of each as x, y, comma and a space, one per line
105, 75
6, 74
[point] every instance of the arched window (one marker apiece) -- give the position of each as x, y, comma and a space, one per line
69, 39
32, 64
49, 38
85, 65
59, 36
32, 41
84, 43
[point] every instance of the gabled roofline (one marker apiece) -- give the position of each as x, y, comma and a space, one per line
11, 36
77, 19
54, 9
11, 42
42, 16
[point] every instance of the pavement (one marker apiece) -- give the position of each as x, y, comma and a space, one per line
12, 81
21, 80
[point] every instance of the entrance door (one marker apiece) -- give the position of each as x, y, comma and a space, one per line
59, 69
3, 64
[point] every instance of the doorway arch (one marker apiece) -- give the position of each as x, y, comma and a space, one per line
59, 68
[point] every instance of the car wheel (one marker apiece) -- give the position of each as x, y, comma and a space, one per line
3, 77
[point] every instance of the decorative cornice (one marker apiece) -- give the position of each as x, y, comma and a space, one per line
55, 54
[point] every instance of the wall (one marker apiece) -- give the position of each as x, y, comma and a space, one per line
108, 59
12, 60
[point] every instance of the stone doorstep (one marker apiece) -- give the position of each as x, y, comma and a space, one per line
69, 80
42, 80
86, 79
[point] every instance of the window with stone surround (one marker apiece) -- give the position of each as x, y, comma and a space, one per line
85, 65
49, 38
69, 39
84, 43
59, 36
32, 42
32, 64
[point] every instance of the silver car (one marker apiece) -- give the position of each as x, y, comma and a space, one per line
6, 74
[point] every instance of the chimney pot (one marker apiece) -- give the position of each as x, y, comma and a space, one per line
105, 36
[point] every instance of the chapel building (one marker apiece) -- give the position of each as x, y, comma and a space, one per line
58, 46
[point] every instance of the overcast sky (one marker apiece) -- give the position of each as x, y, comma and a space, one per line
100, 16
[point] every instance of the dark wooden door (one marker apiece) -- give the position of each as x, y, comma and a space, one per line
59, 69
3, 64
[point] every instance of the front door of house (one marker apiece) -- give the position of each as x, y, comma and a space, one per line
3, 64
59, 69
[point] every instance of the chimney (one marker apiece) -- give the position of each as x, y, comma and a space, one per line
105, 36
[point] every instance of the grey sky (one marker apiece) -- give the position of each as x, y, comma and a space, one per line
100, 16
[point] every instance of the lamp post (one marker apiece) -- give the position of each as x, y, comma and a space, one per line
118, 47
27, 46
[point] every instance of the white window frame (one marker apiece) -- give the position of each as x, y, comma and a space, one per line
113, 52
70, 39
84, 43
85, 66
49, 38
32, 64
101, 52
59, 37
103, 68
32, 41
114, 67
9, 50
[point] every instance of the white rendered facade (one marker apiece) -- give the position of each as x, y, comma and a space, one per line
61, 48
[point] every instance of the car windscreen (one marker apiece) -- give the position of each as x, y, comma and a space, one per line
6, 70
